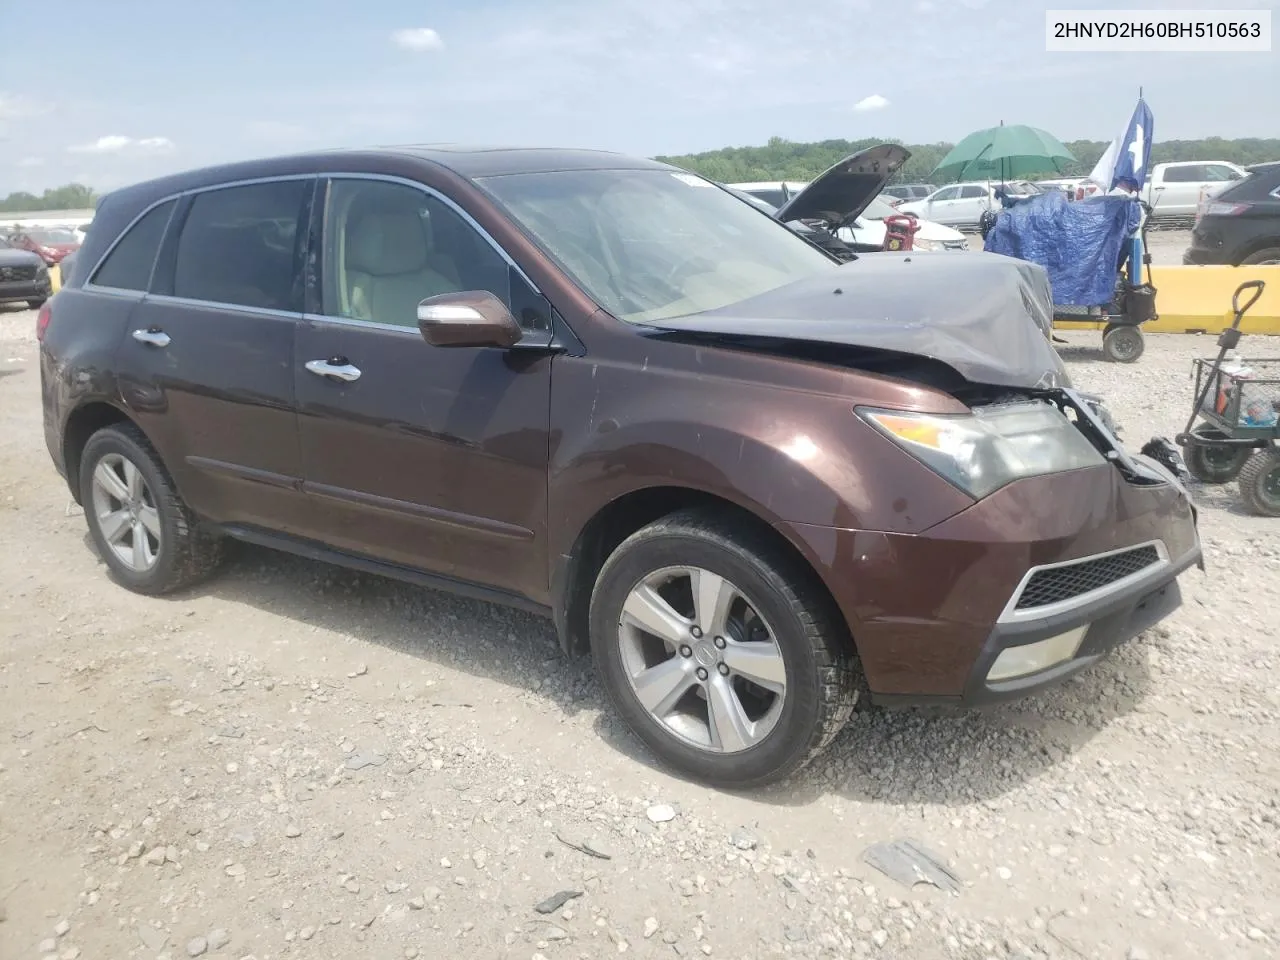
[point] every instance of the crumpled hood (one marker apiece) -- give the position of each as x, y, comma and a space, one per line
987, 316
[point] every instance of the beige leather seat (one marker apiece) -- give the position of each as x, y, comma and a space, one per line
391, 267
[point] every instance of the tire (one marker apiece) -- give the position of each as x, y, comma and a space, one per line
774, 600
1209, 464
1268, 255
176, 553
1260, 483
1123, 344
36, 304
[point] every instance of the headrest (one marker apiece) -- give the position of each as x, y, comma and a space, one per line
386, 242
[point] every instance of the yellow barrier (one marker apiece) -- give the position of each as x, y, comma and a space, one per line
55, 277
1198, 300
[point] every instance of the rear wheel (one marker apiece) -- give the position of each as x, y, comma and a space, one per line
719, 652
1269, 255
1214, 463
146, 535
1122, 344
1260, 483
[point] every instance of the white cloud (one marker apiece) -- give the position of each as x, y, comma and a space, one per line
417, 39
18, 107
924, 6
873, 102
116, 143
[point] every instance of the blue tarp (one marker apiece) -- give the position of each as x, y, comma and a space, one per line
1080, 243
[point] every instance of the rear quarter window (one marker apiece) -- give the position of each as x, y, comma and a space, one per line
128, 266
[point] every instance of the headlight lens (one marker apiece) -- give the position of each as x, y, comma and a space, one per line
920, 244
990, 447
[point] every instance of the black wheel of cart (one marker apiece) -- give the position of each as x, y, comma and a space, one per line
1260, 483
1122, 343
1214, 463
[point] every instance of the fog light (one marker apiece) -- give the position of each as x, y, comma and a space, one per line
1034, 657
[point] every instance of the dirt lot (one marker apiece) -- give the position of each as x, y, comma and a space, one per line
295, 761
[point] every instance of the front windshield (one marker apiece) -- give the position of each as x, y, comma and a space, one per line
648, 245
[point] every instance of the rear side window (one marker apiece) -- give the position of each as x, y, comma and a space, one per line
1192, 173
240, 246
128, 265
972, 192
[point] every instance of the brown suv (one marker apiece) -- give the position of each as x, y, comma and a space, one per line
743, 475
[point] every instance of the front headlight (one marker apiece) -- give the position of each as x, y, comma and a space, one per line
921, 244
984, 450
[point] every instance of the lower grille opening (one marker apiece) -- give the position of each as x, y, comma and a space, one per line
1066, 583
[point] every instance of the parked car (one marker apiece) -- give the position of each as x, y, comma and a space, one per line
23, 276
962, 205
51, 244
1242, 223
1174, 190
737, 471
852, 211
910, 191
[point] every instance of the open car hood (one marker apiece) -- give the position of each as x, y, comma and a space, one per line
986, 316
843, 192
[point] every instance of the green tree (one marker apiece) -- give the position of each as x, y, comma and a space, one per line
72, 196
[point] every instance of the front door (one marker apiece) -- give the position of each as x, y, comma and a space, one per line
944, 206
431, 458
207, 358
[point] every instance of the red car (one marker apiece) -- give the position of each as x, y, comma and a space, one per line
51, 244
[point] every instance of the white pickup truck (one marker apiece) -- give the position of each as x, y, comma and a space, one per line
1174, 190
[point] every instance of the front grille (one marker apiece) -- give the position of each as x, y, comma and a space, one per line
1076, 579
17, 274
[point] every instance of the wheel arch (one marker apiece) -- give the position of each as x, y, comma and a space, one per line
574, 575
1256, 245
81, 424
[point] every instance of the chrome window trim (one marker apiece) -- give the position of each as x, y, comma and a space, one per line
92, 287
1011, 613
217, 305
319, 318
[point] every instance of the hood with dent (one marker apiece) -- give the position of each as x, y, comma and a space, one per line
986, 316
842, 192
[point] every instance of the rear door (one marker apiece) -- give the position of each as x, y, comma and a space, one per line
207, 361
431, 458
1178, 194
975, 199
943, 206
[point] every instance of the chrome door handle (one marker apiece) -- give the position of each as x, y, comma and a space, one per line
155, 338
338, 370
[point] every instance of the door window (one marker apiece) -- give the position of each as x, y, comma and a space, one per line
388, 246
1217, 173
128, 265
242, 246
973, 192
1191, 173
947, 193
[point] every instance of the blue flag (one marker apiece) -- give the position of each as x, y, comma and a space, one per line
1133, 157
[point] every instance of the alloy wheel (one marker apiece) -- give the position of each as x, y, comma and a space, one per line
125, 512
701, 660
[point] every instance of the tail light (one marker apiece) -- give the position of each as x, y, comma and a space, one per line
1218, 208
43, 318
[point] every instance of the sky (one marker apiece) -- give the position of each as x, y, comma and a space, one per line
111, 93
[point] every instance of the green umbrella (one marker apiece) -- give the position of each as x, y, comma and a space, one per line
1002, 152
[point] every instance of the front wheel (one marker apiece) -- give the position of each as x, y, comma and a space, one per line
1214, 463
1260, 483
720, 652
1122, 344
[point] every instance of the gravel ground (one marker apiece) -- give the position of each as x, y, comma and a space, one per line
295, 761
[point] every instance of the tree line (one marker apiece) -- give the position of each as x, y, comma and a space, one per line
781, 159
786, 160
73, 196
